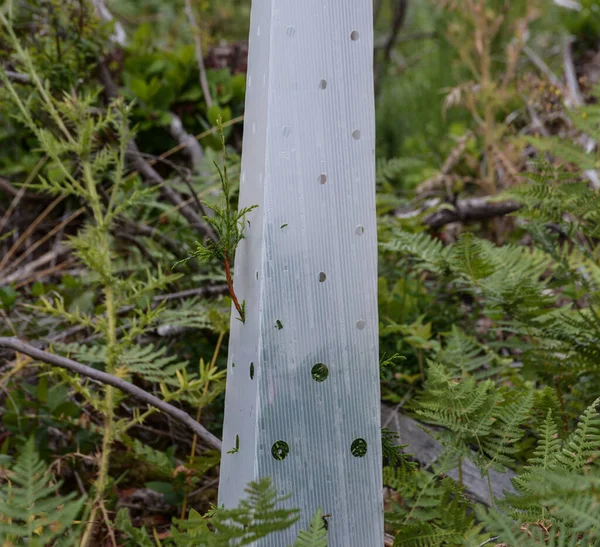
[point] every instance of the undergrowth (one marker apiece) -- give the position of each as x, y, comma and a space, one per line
493, 329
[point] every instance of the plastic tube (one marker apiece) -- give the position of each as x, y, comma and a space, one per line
302, 402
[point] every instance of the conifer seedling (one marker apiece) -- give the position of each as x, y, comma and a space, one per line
228, 224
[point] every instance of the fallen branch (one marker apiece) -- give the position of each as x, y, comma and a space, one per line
466, 210
189, 142
147, 171
32, 266
138, 228
104, 378
18, 77
151, 175
6, 186
119, 36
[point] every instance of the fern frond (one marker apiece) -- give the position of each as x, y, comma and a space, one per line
139, 536
424, 534
31, 510
427, 252
150, 363
583, 445
316, 535
500, 444
463, 355
256, 516
544, 456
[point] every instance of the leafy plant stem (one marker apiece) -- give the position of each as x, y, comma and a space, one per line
234, 298
111, 340
561, 401
213, 365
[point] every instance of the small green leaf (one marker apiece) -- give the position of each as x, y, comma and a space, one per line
8, 297
38, 289
160, 487
42, 389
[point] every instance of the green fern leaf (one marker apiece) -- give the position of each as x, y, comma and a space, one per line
316, 535
584, 442
31, 510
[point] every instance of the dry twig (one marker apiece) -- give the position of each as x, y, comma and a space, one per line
146, 170
465, 210
108, 379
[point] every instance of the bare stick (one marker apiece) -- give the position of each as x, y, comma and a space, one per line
470, 211
570, 76
199, 56
543, 67
6, 186
191, 145
29, 230
466, 210
152, 177
18, 77
29, 268
119, 36
108, 379
146, 170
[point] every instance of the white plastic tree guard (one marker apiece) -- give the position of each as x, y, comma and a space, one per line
302, 403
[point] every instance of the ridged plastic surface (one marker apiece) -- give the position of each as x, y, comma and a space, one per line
307, 270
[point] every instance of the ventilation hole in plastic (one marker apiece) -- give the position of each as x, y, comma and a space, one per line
323, 84
354, 35
360, 325
290, 31
358, 448
322, 277
280, 450
356, 134
360, 230
232, 365
256, 275
237, 442
287, 130
319, 372
323, 178
251, 371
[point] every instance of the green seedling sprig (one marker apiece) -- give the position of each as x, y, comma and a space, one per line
228, 224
